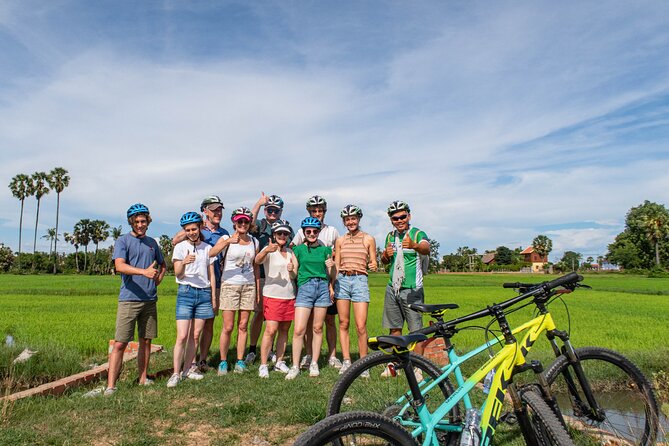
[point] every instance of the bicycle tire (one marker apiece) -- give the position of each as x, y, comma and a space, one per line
353, 392
616, 370
347, 428
546, 429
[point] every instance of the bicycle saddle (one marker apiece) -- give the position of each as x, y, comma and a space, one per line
401, 342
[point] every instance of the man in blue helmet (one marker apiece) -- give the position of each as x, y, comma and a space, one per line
140, 262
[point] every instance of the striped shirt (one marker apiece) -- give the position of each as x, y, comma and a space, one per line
353, 253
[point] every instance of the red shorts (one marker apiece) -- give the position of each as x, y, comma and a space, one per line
279, 310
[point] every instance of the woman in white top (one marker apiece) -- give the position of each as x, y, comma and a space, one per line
239, 285
194, 271
278, 294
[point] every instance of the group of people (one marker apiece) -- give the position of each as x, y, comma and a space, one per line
283, 275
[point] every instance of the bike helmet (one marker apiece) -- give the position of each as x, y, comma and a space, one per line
274, 201
137, 208
311, 222
211, 199
317, 200
240, 213
190, 217
396, 206
351, 210
281, 225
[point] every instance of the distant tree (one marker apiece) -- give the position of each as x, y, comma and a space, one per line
58, 180
72, 239
99, 232
21, 187
434, 256
503, 256
40, 187
600, 261
165, 242
6, 258
542, 245
51, 235
83, 231
451, 262
571, 260
116, 232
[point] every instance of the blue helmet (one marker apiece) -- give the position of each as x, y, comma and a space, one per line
311, 222
190, 217
137, 208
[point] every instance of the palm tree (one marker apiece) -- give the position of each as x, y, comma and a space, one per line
83, 232
21, 186
51, 235
58, 180
542, 245
99, 232
39, 189
72, 238
656, 227
116, 232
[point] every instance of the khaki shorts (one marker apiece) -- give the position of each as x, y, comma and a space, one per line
259, 305
238, 297
144, 314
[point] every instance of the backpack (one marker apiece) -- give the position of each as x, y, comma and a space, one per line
423, 260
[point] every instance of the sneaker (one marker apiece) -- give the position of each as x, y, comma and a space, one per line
305, 362
192, 373
147, 382
334, 362
419, 374
109, 391
223, 368
203, 366
250, 358
345, 366
272, 357
364, 374
240, 367
281, 366
174, 380
313, 370
293, 372
94, 393
263, 371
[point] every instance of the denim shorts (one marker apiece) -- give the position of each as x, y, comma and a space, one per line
313, 293
194, 303
353, 288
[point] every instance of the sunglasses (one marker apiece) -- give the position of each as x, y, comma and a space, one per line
311, 231
282, 234
399, 217
243, 221
273, 211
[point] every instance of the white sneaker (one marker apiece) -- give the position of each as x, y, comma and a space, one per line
365, 374
147, 382
334, 362
250, 358
281, 366
345, 366
263, 371
174, 380
100, 391
272, 357
193, 374
305, 362
313, 370
293, 372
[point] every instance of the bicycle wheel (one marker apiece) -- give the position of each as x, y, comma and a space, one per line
628, 409
356, 428
544, 426
362, 387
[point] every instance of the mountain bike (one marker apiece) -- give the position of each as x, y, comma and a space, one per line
570, 374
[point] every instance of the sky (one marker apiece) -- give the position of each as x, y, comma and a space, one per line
495, 121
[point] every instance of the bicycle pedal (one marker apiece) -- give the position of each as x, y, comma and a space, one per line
509, 418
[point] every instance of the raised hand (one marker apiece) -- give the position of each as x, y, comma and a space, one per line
151, 272
407, 243
234, 238
290, 267
389, 250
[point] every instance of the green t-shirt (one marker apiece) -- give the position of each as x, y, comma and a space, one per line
312, 262
413, 274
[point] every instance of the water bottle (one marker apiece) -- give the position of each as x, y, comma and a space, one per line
9, 341
470, 432
487, 382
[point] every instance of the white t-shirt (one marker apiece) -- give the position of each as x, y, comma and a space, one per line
196, 274
278, 283
238, 266
328, 236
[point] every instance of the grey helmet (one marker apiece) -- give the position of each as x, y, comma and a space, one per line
317, 200
396, 206
274, 201
211, 199
351, 210
281, 225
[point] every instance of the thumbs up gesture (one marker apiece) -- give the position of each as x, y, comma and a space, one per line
190, 258
329, 262
151, 272
290, 267
407, 243
234, 238
272, 246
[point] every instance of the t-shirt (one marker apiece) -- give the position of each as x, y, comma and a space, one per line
196, 274
278, 283
263, 233
238, 267
210, 238
328, 236
312, 262
413, 274
139, 252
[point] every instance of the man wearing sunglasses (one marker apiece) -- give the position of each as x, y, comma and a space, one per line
405, 286
273, 208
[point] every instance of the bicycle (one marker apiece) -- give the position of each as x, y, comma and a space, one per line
389, 397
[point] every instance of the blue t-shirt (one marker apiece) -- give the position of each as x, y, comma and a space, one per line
140, 253
210, 238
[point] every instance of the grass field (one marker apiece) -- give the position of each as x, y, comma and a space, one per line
70, 318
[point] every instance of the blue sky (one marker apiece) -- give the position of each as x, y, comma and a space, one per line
495, 121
